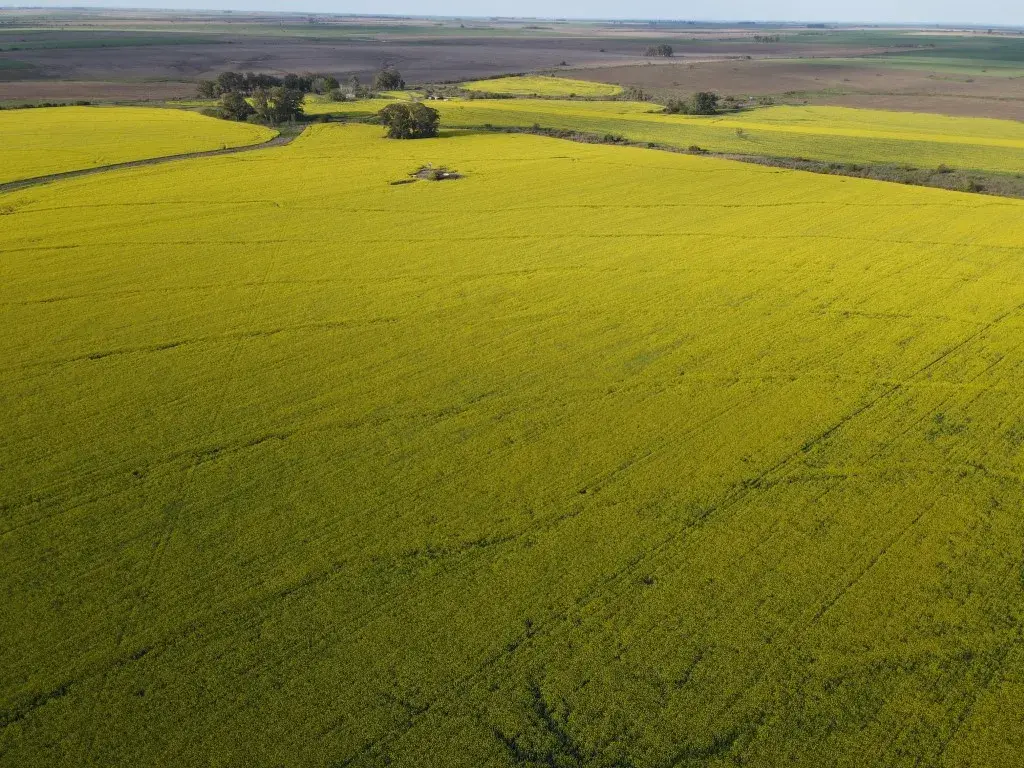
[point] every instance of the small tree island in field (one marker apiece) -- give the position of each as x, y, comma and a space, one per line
409, 120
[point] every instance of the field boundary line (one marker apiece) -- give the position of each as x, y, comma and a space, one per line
13, 186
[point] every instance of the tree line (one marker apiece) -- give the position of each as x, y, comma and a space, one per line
249, 83
264, 98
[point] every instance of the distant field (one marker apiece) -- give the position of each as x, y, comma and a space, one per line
29, 40
597, 456
952, 65
821, 133
38, 142
926, 70
543, 86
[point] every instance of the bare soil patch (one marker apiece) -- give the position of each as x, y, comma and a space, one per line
1003, 108
826, 82
430, 173
93, 90
426, 60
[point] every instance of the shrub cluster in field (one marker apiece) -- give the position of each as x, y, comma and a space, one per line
659, 50
701, 103
40, 104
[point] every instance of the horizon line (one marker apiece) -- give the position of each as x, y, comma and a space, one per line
550, 19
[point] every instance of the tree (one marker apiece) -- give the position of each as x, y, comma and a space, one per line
261, 103
278, 105
230, 81
659, 50
388, 79
254, 81
410, 120
325, 84
705, 103
207, 89
295, 82
233, 106
357, 89
678, 107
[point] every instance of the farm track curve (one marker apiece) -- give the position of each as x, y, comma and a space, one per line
277, 141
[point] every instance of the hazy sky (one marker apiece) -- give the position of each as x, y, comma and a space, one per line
935, 11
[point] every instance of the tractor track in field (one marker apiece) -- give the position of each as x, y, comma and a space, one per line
277, 141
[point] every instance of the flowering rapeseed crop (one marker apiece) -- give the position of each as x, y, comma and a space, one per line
38, 142
533, 85
832, 134
595, 456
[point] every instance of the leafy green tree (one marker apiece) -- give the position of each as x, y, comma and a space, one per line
325, 84
230, 81
388, 79
207, 89
678, 107
278, 105
410, 120
233, 106
287, 104
705, 103
302, 83
261, 103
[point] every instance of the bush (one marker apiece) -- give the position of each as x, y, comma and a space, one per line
388, 79
212, 112
632, 93
705, 103
659, 50
410, 121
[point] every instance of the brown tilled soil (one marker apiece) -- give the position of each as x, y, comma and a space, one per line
433, 60
827, 83
99, 90
726, 61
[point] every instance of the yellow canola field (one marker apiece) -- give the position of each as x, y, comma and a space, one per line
539, 85
832, 134
38, 142
595, 456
